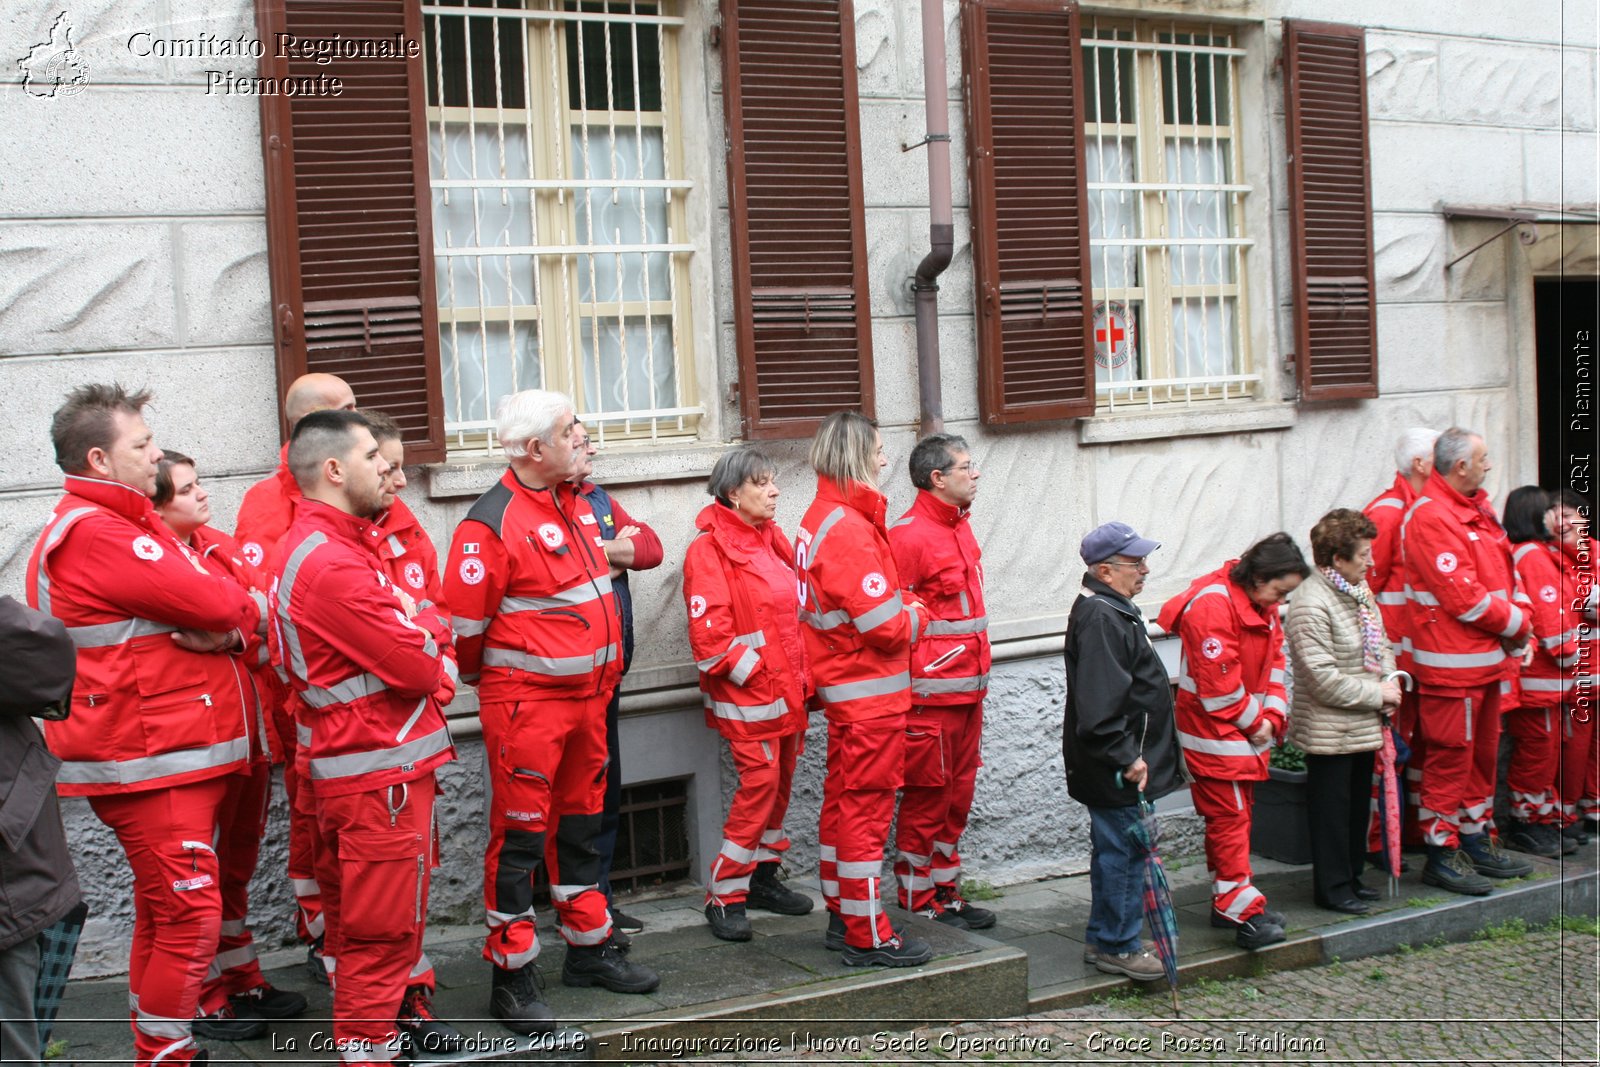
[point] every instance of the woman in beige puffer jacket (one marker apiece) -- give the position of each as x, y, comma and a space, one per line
1343, 691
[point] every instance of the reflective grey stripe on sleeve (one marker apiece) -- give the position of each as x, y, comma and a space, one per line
1215, 589
1514, 625
1276, 677
302, 734
1227, 700
745, 666
1553, 643
149, 768
941, 627
827, 524
1517, 556
291, 572
1387, 502
1275, 703
755, 639
1213, 747
582, 593
1474, 613
362, 685
463, 627
1547, 685
885, 612
1393, 599
453, 671
869, 687
108, 634
565, 666
1247, 718
1453, 659
925, 687
1422, 596
827, 620
383, 759
51, 539
747, 713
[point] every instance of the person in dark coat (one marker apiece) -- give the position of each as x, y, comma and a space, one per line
38, 885
1119, 741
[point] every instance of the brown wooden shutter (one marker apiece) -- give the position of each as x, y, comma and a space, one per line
348, 222
1030, 217
795, 210
1330, 209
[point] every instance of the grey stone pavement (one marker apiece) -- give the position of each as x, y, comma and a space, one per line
1414, 982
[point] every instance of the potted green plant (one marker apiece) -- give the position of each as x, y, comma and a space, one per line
1280, 827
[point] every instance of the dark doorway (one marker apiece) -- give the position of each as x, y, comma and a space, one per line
1567, 325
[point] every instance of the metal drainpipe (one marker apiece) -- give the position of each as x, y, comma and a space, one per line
941, 227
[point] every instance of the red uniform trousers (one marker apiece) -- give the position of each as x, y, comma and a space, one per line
753, 832
241, 822
177, 906
547, 765
302, 831
865, 766
1535, 764
1226, 807
941, 774
1580, 764
377, 851
1461, 735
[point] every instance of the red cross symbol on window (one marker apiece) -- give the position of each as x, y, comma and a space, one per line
1117, 334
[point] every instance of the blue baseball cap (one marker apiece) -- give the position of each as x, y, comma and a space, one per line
1114, 539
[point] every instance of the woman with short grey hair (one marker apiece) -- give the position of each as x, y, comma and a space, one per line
744, 628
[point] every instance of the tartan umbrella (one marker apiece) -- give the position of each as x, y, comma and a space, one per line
1158, 910
59, 947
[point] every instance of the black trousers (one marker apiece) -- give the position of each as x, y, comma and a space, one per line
1339, 796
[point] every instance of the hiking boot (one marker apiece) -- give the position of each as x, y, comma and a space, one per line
621, 920
1490, 859
976, 918
833, 940
1452, 869
1141, 966
1265, 915
768, 894
729, 922
516, 998
946, 918
427, 1032
896, 952
604, 965
315, 965
269, 1003
226, 1025
1530, 838
1256, 933
1575, 833
1092, 952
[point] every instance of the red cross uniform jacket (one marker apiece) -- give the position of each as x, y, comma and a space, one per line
222, 555
940, 564
1386, 579
859, 627
146, 714
1460, 592
744, 627
530, 589
370, 679
1230, 676
1557, 625
265, 514
408, 557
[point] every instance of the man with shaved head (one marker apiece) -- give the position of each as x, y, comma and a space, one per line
264, 517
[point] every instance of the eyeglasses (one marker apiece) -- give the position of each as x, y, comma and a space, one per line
1123, 563
969, 465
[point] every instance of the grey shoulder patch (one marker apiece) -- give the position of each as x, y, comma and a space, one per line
490, 508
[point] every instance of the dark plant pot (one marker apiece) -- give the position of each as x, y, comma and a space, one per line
1280, 824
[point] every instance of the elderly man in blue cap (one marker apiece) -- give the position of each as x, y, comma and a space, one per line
1119, 740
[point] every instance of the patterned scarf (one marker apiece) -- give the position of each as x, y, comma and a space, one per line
1372, 635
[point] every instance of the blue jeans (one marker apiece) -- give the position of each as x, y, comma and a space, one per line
1116, 881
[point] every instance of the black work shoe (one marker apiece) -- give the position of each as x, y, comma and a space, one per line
269, 1003
621, 920
768, 894
1488, 858
226, 1025
1551, 833
895, 952
604, 965
517, 1000
833, 940
1525, 837
1575, 833
619, 938
1452, 869
1348, 906
947, 918
1365, 892
951, 900
1265, 915
729, 922
1252, 934
428, 1032
314, 965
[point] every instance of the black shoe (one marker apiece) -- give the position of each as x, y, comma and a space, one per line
896, 952
516, 998
427, 1032
1266, 915
729, 922
1349, 906
604, 965
1529, 838
833, 940
226, 1025
1365, 892
1252, 934
1488, 858
1575, 833
621, 920
1552, 836
314, 965
768, 894
269, 1003
951, 900
1452, 869
947, 918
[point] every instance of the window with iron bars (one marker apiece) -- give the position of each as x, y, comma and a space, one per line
1166, 234
559, 220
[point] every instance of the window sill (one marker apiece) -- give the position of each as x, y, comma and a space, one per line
1198, 421
623, 465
